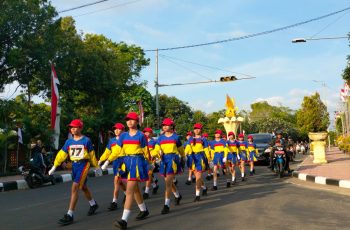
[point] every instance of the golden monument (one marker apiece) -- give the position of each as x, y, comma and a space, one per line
230, 121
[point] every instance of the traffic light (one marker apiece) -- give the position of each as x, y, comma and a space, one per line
228, 78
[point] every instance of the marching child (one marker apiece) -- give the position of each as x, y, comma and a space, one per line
119, 175
243, 147
232, 156
134, 145
253, 153
82, 154
219, 149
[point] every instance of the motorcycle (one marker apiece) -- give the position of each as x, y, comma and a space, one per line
35, 178
280, 155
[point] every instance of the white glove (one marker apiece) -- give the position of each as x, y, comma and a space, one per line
98, 172
52, 170
99, 163
238, 157
158, 160
105, 165
224, 159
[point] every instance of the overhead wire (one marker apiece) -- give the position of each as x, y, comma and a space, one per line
251, 35
82, 6
329, 24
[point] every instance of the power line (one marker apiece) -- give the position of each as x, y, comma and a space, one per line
252, 35
186, 68
111, 7
206, 66
329, 24
82, 6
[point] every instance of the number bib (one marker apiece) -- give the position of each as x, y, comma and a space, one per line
76, 152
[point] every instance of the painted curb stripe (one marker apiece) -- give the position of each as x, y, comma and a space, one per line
1, 187
22, 184
344, 183
302, 176
320, 180
310, 178
332, 182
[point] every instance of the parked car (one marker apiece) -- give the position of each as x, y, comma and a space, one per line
263, 143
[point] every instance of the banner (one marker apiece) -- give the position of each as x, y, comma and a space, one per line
55, 109
141, 112
19, 134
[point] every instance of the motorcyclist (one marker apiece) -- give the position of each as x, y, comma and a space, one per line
37, 160
280, 139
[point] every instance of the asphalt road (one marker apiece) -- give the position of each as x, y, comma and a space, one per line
263, 202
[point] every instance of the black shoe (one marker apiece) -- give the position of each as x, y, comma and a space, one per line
122, 224
233, 182
175, 182
177, 200
142, 215
193, 179
156, 181
145, 196
208, 177
223, 172
188, 182
251, 173
211, 176
92, 209
243, 178
67, 219
228, 184
165, 209
205, 192
198, 198
113, 206
155, 190
218, 174
214, 188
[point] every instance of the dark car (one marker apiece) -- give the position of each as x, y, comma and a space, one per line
263, 143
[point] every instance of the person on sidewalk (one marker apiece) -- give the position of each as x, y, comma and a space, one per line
134, 145
152, 182
200, 149
118, 166
82, 154
170, 148
219, 149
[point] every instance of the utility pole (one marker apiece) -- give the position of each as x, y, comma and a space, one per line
157, 94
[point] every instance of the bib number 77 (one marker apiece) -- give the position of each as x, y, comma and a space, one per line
76, 152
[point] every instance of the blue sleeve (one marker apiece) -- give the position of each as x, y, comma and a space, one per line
65, 146
143, 140
89, 145
120, 140
109, 144
178, 142
205, 143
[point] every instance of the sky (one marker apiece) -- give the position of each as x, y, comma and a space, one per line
284, 72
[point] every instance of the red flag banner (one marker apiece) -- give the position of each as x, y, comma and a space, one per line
141, 112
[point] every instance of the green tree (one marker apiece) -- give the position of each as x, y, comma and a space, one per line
313, 115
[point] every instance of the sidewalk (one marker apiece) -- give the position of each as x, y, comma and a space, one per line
335, 172
17, 182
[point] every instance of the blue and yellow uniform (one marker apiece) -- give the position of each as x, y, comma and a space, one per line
82, 154
253, 152
135, 151
233, 151
243, 148
189, 156
171, 149
199, 148
118, 164
219, 150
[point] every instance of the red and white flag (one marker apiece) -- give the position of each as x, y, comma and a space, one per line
141, 116
55, 109
343, 95
100, 137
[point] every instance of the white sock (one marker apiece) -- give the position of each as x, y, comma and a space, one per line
92, 202
215, 183
176, 194
189, 178
147, 190
203, 187
242, 174
142, 207
198, 192
233, 178
167, 202
70, 212
154, 185
126, 214
115, 200
174, 180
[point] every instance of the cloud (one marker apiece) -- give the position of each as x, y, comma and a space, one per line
203, 106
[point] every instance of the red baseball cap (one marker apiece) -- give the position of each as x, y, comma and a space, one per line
147, 129
168, 122
231, 133
132, 116
250, 137
119, 126
189, 133
218, 131
205, 135
76, 123
241, 135
197, 126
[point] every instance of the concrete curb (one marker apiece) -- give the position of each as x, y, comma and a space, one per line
322, 180
22, 184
